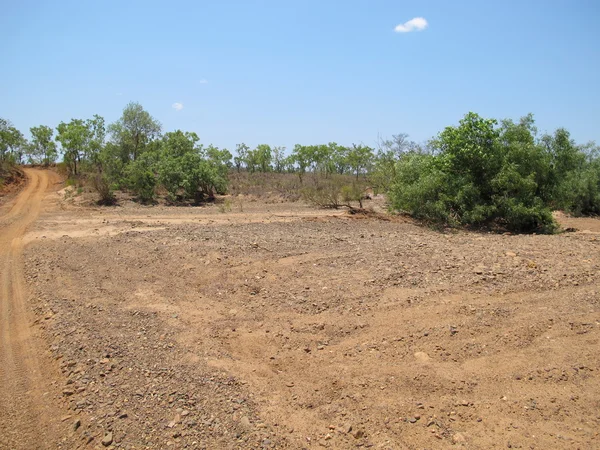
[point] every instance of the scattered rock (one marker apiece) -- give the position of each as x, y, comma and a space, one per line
422, 357
358, 434
107, 439
245, 422
458, 438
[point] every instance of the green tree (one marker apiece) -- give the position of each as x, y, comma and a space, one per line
97, 137
278, 159
220, 159
340, 159
301, 157
134, 131
12, 142
242, 155
360, 158
74, 138
389, 152
263, 157
42, 147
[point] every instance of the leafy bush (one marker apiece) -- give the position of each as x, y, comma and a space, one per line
579, 192
141, 179
480, 175
184, 170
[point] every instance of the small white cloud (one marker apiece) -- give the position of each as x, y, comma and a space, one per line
416, 24
119, 94
203, 81
177, 106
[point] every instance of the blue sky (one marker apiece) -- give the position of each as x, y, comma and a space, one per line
285, 72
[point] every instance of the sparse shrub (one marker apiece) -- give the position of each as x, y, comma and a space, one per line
225, 206
334, 192
102, 186
286, 186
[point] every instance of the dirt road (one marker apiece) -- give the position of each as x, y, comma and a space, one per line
25, 411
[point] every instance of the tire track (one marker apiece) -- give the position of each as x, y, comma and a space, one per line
25, 412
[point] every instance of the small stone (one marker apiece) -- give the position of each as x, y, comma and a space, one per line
76, 424
68, 392
123, 416
290, 384
358, 434
422, 357
245, 422
107, 439
458, 438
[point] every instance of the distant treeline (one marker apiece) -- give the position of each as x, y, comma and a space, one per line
479, 173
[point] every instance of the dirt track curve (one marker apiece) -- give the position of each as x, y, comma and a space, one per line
24, 387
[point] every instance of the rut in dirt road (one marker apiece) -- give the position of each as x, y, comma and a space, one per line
24, 413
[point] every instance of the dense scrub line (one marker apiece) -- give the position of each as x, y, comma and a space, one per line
485, 173
481, 173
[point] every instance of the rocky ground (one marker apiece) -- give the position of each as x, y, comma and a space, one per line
257, 325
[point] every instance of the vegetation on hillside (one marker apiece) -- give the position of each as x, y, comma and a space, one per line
480, 173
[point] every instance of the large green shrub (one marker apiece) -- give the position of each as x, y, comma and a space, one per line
141, 178
480, 175
186, 171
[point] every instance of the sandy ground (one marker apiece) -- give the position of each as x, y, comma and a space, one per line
281, 326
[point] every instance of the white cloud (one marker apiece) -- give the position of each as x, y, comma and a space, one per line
177, 106
416, 24
203, 81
